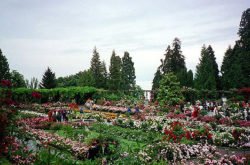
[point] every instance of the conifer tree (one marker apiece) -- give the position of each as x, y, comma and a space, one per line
95, 68
4, 67
235, 68
128, 72
244, 51
207, 73
48, 80
115, 72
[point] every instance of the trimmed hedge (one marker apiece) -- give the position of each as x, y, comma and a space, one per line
55, 94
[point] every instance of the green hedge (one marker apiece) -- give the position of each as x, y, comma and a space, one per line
55, 94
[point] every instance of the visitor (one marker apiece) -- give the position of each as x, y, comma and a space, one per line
58, 116
137, 110
129, 110
245, 114
216, 111
195, 112
53, 116
50, 115
64, 115
81, 112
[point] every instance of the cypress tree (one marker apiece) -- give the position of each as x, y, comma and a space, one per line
115, 72
128, 72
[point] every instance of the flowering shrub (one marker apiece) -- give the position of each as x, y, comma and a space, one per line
176, 132
174, 152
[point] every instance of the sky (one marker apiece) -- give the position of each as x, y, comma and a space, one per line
61, 34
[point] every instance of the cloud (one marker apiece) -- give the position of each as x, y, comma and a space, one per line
62, 34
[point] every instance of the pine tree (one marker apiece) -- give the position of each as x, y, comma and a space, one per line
48, 80
128, 72
17, 79
4, 67
96, 68
207, 73
115, 72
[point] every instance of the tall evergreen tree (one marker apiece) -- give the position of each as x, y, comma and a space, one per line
174, 62
231, 69
207, 73
235, 68
115, 72
190, 79
244, 30
128, 72
244, 51
4, 67
156, 80
48, 80
96, 68
104, 75
178, 60
17, 79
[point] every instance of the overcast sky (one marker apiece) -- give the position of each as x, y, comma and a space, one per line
61, 34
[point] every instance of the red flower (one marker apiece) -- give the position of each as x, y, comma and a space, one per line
210, 136
5, 83
36, 95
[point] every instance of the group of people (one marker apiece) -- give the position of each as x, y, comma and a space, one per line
137, 110
58, 115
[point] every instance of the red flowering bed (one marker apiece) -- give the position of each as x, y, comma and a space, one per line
177, 131
242, 123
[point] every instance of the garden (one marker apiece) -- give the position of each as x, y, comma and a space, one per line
115, 132
103, 117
